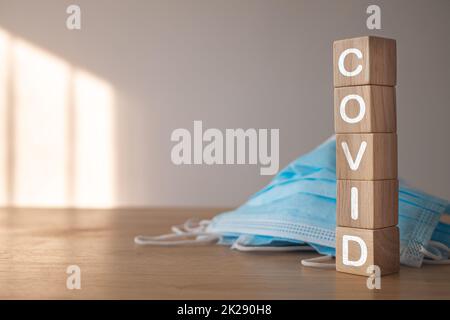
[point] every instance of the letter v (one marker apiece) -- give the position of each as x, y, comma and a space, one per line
354, 165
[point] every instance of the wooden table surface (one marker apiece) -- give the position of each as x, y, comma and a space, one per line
37, 245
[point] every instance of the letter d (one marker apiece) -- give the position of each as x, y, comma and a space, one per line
345, 254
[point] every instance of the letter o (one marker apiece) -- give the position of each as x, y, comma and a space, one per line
342, 57
362, 108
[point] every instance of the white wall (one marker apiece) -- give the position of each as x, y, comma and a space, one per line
231, 64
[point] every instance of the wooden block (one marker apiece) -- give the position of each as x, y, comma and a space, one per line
365, 60
362, 109
367, 204
366, 156
357, 249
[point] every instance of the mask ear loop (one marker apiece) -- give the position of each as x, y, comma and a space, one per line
190, 228
435, 258
319, 262
241, 247
191, 225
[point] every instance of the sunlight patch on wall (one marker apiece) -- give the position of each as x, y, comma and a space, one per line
94, 141
4, 56
40, 128
56, 131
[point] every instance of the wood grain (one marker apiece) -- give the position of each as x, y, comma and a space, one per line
37, 245
383, 248
380, 109
379, 161
379, 61
377, 203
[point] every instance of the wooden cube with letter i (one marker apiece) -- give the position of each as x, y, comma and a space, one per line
366, 155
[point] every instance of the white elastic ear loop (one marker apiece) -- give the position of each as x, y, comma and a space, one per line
435, 258
171, 239
319, 262
186, 230
241, 247
191, 225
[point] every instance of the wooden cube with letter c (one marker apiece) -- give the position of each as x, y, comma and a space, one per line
359, 249
365, 60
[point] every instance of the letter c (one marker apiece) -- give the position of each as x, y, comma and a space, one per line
342, 57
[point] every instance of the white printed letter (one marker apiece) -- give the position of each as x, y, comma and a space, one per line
354, 165
74, 20
213, 152
374, 280
354, 203
198, 142
273, 160
374, 20
74, 279
181, 152
345, 255
342, 57
362, 108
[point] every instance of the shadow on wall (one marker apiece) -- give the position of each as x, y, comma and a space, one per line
56, 131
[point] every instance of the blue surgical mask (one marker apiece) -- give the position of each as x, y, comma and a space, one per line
442, 231
297, 211
299, 206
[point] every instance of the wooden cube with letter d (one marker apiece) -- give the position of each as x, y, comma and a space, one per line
358, 249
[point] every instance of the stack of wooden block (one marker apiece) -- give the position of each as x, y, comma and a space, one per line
366, 155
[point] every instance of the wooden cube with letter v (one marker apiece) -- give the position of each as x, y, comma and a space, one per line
368, 156
359, 249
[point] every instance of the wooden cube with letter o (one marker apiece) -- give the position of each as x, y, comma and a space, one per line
365, 109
